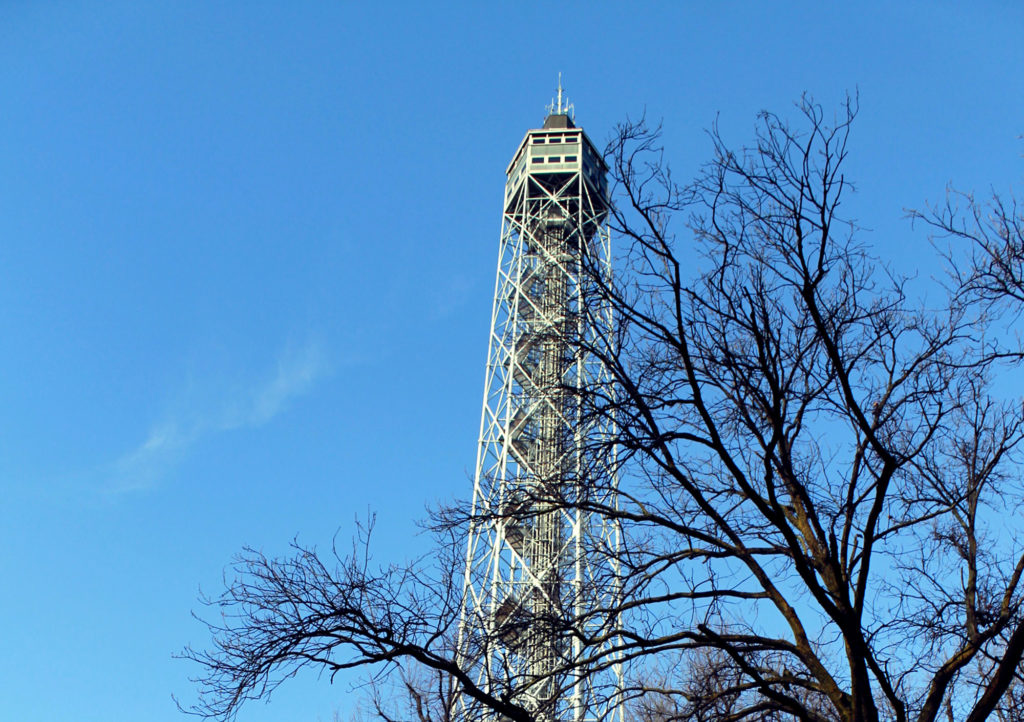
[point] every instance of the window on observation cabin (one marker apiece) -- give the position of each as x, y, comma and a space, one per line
554, 159
538, 140
570, 159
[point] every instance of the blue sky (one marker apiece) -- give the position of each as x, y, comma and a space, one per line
247, 252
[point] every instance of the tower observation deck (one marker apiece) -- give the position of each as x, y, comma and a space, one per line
541, 574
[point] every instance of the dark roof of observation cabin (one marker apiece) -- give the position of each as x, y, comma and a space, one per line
558, 120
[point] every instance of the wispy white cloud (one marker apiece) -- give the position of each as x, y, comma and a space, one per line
144, 465
169, 440
296, 373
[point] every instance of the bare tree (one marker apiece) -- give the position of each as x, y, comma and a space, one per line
818, 487
993, 232
822, 463
412, 693
333, 613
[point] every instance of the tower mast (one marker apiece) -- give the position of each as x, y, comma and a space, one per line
541, 571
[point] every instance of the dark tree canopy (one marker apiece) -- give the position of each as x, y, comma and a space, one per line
819, 485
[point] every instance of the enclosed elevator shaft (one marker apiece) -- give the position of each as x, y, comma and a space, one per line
551, 453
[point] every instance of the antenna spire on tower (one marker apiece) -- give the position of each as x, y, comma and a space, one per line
559, 108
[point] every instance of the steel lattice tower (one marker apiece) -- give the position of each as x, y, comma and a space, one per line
541, 571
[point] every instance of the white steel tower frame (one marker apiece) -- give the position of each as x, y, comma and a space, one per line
539, 623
